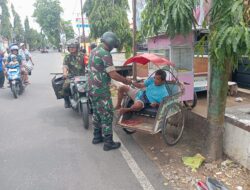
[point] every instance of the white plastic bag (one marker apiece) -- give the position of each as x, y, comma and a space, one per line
28, 66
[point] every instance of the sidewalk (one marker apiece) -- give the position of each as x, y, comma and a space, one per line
201, 107
169, 159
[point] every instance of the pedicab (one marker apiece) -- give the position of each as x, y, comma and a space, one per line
168, 118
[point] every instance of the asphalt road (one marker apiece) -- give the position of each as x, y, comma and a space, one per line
44, 146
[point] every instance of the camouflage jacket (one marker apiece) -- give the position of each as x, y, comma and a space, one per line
100, 64
75, 64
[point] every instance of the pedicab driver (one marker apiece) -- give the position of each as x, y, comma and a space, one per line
101, 70
153, 94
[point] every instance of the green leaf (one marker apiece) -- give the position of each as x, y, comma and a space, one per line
236, 5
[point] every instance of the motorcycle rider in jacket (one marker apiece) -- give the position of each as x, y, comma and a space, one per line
73, 65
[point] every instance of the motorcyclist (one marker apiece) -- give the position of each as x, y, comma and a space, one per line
13, 60
25, 55
2, 78
14, 51
73, 65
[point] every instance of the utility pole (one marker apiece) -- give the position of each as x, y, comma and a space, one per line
79, 34
83, 31
134, 38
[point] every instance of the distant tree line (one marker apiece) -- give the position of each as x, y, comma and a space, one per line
47, 14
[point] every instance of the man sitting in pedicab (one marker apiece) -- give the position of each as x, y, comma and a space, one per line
149, 93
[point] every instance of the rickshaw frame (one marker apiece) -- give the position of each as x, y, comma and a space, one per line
169, 108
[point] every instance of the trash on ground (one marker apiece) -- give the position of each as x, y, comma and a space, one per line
201, 186
226, 163
211, 184
165, 184
193, 162
239, 188
214, 184
238, 99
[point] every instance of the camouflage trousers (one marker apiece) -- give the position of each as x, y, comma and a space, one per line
66, 89
103, 112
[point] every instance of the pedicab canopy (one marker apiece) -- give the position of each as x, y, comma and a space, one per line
149, 57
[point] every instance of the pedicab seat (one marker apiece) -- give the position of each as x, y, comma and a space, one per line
149, 111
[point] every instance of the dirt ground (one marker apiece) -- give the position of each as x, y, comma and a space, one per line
169, 159
201, 107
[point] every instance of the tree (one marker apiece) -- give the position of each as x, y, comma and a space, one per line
18, 31
5, 29
229, 39
68, 29
36, 39
27, 33
112, 16
247, 12
48, 16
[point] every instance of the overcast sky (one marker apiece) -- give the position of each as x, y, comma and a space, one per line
71, 10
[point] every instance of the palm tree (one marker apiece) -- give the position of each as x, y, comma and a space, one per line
229, 39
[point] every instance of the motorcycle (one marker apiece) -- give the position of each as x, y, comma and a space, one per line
79, 100
15, 79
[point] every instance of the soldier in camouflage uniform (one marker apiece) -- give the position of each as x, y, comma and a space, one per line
101, 70
73, 65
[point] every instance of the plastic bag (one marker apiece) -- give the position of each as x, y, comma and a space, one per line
193, 162
28, 66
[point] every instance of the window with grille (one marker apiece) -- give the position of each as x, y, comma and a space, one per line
182, 57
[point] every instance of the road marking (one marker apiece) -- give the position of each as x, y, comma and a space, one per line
141, 177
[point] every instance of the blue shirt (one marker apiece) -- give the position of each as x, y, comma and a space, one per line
1, 63
155, 94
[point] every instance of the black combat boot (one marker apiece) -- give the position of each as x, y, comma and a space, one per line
98, 138
66, 102
109, 144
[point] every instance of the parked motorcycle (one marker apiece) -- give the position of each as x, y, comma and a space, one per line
79, 100
15, 79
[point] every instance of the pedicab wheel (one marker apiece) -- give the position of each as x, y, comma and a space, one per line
85, 115
173, 124
125, 104
129, 131
191, 103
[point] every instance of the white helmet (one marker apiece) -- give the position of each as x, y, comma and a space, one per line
21, 44
15, 47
